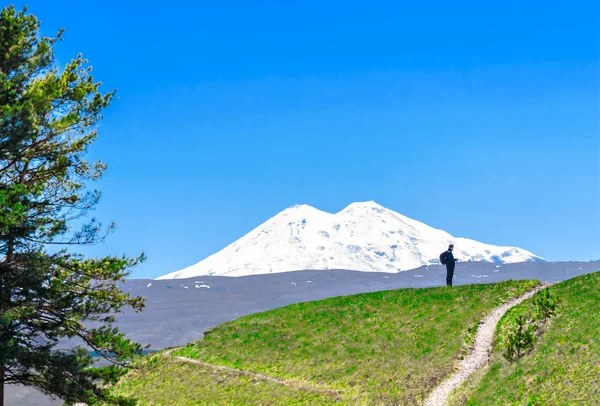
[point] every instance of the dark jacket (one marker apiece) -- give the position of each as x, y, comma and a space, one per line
449, 257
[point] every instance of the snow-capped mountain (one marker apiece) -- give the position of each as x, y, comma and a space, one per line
363, 237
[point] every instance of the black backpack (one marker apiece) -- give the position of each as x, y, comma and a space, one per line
443, 258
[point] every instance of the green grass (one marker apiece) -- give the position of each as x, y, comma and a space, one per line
165, 381
563, 368
390, 347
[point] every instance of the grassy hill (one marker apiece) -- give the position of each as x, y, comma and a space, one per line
390, 347
563, 367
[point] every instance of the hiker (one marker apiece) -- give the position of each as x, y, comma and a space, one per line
447, 258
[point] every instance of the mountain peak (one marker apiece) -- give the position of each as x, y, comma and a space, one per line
300, 210
299, 206
370, 204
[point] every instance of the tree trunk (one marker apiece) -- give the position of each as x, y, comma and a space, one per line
4, 305
2, 385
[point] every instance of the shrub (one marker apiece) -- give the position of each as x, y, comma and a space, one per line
519, 339
546, 305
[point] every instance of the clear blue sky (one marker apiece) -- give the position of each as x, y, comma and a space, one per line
479, 118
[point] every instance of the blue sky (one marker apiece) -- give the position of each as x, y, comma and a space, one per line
482, 119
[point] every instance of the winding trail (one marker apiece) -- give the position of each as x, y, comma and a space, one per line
480, 353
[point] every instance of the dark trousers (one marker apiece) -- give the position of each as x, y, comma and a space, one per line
449, 273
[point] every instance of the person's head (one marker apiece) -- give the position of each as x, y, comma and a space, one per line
450, 247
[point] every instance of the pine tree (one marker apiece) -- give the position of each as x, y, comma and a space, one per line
48, 293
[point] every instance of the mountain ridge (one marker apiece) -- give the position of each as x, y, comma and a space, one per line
364, 236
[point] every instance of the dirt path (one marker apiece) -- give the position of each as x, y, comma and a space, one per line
480, 353
293, 384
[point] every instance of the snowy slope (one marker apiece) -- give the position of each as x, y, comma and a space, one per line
363, 237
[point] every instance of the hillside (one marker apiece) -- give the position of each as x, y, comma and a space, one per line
564, 366
388, 347
364, 236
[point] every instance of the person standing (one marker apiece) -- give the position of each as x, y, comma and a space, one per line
448, 259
